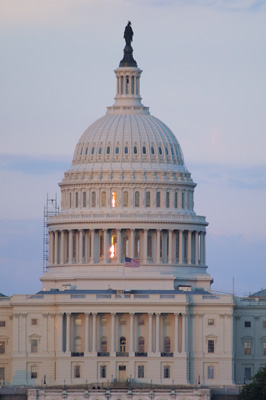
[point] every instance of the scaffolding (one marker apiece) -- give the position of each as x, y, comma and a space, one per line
50, 209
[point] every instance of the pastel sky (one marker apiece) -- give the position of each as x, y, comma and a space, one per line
203, 63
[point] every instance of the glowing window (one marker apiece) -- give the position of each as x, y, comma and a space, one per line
112, 248
126, 149
247, 348
108, 150
135, 150
114, 199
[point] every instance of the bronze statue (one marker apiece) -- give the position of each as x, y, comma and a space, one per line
128, 34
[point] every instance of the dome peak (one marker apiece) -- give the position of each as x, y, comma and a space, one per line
128, 60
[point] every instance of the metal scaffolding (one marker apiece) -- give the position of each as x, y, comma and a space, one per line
50, 209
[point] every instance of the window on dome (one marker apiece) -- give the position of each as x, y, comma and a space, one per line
92, 150
122, 85
167, 199
175, 200
81, 151
100, 150
172, 151
144, 150
76, 199
158, 199
86, 151
103, 199
166, 150
117, 150
108, 150
114, 199
125, 199
152, 150
84, 199
136, 199
126, 150
132, 84
93, 199
148, 199
135, 150
160, 150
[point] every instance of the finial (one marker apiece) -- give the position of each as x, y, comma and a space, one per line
128, 60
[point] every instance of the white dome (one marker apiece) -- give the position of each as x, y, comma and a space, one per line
127, 138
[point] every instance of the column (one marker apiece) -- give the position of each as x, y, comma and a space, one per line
16, 332
80, 258
92, 246
87, 330
51, 333
113, 347
62, 247
132, 240
196, 248
94, 332
158, 244
105, 247
131, 344
70, 247
222, 332
204, 248
51, 247
189, 248
46, 333
180, 247
184, 332
200, 332
176, 333
145, 245
170, 246
68, 332
157, 333
150, 332
23, 331
59, 332
56, 248
118, 245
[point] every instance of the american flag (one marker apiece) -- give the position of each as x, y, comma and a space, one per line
131, 262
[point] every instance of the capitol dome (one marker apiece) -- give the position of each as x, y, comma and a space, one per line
127, 195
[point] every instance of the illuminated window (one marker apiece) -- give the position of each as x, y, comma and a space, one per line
125, 199
112, 248
114, 199
148, 199
247, 348
136, 199
103, 199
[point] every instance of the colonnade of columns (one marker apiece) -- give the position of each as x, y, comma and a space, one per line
91, 333
157, 246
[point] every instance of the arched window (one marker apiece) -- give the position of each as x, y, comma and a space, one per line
148, 199
117, 150
167, 344
144, 149
100, 150
152, 150
123, 344
137, 199
126, 149
114, 199
166, 150
81, 151
84, 199
160, 150
141, 344
158, 199
104, 344
77, 344
103, 199
92, 150
108, 150
135, 150
86, 152
76, 200
167, 199
93, 199
125, 199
